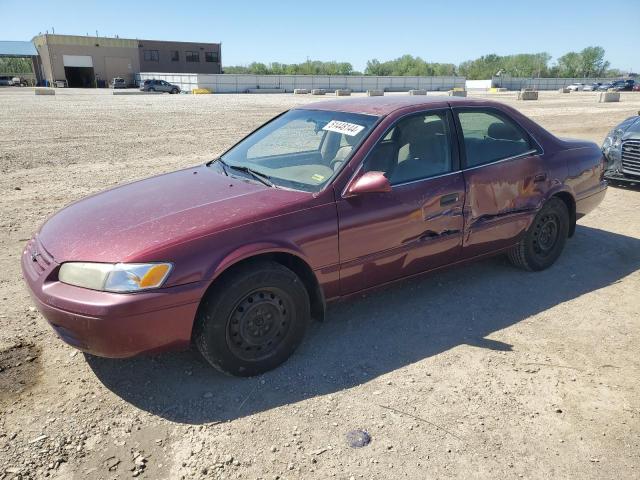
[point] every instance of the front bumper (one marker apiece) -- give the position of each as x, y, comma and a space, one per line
621, 177
587, 204
110, 324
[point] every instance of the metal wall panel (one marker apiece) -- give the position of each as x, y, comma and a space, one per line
232, 83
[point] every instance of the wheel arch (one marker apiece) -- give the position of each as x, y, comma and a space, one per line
288, 258
570, 202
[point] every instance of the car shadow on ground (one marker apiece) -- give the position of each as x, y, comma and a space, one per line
635, 186
376, 334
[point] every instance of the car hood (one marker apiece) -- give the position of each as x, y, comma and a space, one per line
133, 220
631, 128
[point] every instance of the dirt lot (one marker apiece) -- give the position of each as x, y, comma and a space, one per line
478, 372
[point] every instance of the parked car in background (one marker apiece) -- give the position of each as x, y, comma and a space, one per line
618, 85
621, 147
636, 87
159, 86
18, 82
574, 87
592, 87
625, 85
6, 81
118, 82
325, 201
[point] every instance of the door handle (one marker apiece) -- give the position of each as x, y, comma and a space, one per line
541, 177
449, 199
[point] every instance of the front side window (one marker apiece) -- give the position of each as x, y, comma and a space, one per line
192, 56
151, 56
302, 149
489, 137
417, 147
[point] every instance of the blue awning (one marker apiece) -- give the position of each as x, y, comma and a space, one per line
11, 48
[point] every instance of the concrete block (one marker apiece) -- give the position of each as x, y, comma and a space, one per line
318, 91
527, 95
564, 90
457, 93
45, 91
300, 91
201, 91
497, 90
606, 97
417, 92
375, 93
343, 93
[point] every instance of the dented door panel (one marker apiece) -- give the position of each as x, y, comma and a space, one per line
501, 200
414, 228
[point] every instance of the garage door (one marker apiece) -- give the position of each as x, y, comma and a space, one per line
77, 60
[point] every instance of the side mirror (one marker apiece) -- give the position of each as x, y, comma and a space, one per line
370, 182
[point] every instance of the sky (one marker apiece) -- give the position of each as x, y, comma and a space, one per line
352, 31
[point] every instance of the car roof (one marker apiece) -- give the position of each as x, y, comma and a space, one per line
381, 106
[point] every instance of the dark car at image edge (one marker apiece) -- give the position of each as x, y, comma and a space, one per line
323, 202
621, 147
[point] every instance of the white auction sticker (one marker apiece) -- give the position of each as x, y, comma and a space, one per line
346, 128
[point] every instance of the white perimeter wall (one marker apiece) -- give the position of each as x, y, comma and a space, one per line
231, 83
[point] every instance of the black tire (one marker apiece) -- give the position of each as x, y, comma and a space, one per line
544, 241
252, 320
151, 89
174, 91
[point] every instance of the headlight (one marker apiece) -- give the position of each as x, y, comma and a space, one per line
118, 277
612, 141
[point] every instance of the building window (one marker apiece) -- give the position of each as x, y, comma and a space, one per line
211, 56
151, 56
192, 56
175, 56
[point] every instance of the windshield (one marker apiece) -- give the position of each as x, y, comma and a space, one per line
302, 149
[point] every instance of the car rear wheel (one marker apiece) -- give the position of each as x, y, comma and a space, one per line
544, 241
252, 320
151, 89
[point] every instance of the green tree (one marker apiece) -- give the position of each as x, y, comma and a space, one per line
310, 67
589, 62
519, 65
16, 65
592, 62
569, 65
407, 65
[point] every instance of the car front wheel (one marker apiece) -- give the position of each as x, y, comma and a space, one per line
544, 241
253, 319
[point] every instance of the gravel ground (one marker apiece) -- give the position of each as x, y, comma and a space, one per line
476, 372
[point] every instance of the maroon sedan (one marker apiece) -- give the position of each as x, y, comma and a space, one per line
322, 202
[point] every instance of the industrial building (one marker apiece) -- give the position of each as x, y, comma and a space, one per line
88, 61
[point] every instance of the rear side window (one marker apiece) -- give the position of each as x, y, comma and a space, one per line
489, 137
